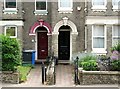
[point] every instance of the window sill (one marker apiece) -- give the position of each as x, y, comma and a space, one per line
13, 36
64, 10
99, 8
116, 8
8, 11
39, 12
99, 51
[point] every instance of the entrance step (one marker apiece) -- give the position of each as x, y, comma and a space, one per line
39, 61
64, 61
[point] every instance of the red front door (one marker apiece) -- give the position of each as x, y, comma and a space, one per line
42, 45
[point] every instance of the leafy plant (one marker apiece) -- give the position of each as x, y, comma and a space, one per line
115, 65
88, 62
116, 47
115, 57
11, 53
90, 65
103, 57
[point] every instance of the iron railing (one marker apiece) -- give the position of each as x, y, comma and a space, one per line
76, 79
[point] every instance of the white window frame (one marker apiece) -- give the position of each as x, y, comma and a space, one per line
99, 7
9, 8
15, 31
41, 12
65, 9
100, 50
112, 34
115, 7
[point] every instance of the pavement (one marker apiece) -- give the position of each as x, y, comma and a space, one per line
64, 78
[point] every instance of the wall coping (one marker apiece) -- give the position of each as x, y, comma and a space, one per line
100, 72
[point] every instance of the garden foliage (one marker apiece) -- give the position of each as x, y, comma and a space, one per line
11, 53
88, 62
115, 57
116, 47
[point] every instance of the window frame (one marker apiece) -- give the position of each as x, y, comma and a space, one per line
9, 8
115, 7
114, 36
99, 50
40, 10
15, 31
99, 7
65, 9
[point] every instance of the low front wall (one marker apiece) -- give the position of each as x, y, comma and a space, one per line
50, 74
99, 77
9, 77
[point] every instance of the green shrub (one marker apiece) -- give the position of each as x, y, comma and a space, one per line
116, 47
88, 63
115, 65
11, 53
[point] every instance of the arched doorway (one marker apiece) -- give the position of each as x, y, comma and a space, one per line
70, 30
42, 32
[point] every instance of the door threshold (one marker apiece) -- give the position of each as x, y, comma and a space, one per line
40, 60
64, 61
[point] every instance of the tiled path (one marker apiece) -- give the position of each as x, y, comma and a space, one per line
64, 75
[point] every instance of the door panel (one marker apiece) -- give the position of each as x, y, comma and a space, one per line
64, 45
42, 45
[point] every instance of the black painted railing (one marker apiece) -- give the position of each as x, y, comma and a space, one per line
76, 79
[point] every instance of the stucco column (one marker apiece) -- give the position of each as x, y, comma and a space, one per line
55, 44
74, 49
49, 44
108, 39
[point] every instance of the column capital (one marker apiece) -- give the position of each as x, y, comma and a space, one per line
55, 33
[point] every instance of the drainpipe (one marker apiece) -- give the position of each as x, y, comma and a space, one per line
85, 9
85, 38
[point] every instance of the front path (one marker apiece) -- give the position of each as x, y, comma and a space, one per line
64, 77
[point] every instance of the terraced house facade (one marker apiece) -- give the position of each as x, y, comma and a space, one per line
64, 27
